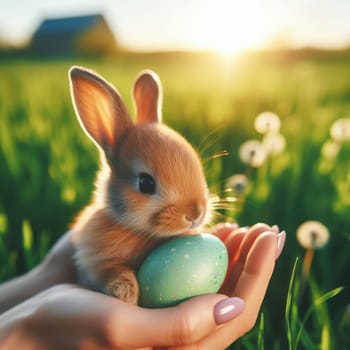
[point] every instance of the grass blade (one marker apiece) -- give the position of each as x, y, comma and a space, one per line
317, 302
261, 333
289, 315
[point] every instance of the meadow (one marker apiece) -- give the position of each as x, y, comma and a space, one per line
48, 165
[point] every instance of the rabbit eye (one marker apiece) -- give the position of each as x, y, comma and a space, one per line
147, 185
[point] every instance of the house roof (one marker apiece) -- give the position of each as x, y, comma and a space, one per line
74, 35
71, 25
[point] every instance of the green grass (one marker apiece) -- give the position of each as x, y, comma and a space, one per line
48, 166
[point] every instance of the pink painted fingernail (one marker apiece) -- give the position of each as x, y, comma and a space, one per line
281, 239
227, 309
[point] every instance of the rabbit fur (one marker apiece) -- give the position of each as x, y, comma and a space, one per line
151, 185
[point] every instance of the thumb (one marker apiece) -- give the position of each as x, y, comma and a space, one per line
183, 324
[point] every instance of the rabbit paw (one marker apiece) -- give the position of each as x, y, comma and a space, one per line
124, 287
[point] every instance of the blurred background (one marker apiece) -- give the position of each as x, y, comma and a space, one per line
260, 87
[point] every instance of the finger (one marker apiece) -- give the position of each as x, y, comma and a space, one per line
222, 231
117, 324
250, 238
237, 265
259, 263
186, 323
232, 246
251, 287
233, 243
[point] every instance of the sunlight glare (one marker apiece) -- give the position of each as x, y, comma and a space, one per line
231, 27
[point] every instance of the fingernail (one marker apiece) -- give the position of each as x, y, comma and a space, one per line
281, 239
228, 309
275, 229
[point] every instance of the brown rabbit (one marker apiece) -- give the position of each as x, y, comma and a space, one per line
151, 185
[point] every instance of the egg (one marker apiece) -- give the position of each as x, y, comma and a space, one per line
182, 268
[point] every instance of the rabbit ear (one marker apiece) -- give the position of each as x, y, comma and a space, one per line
147, 97
99, 108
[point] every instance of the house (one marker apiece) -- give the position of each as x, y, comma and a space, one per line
68, 36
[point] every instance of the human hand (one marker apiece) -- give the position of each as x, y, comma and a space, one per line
70, 317
58, 267
252, 254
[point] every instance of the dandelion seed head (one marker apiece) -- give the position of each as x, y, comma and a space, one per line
238, 183
267, 122
274, 143
252, 152
340, 130
312, 235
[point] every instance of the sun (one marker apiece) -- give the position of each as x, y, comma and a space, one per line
231, 27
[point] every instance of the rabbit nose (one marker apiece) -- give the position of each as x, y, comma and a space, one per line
195, 215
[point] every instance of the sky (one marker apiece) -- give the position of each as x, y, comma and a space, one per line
226, 26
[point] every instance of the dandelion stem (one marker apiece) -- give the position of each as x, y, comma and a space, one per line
249, 172
305, 272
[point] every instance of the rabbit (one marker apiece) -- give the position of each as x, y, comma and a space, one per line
151, 185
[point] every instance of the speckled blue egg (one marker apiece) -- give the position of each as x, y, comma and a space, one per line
181, 268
